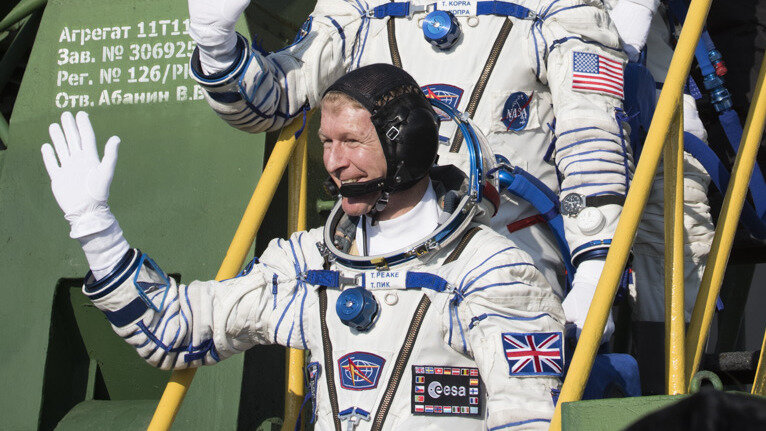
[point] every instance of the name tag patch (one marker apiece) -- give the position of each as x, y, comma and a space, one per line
458, 7
444, 391
385, 280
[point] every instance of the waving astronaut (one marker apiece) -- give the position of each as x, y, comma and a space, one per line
542, 78
416, 316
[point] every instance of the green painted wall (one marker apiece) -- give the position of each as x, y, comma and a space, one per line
611, 414
182, 182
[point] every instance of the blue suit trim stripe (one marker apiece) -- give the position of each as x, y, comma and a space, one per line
582, 129
483, 262
494, 268
507, 283
592, 159
341, 33
584, 141
586, 152
561, 41
127, 314
476, 319
591, 185
515, 424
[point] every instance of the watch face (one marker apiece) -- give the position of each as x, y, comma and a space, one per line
572, 204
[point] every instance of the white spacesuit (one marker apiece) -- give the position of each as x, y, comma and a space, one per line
542, 79
640, 24
457, 330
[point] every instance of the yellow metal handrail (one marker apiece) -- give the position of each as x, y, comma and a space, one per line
667, 106
179, 383
759, 382
673, 181
296, 221
728, 220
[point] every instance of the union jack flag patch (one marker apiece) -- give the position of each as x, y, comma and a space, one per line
595, 73
535, 354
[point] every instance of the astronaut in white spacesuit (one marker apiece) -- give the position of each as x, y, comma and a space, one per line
415, 316
542, 78
641, 23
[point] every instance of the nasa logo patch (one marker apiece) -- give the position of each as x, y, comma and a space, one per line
360, 371
516, 111
446, 93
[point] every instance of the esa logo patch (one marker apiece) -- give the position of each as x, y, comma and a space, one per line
442, 390
534, 354
360, 371
446, 93
516, 111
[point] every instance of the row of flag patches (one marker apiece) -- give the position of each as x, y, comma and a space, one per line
421, 389
422, 379
419, 408
447, 371
471, 400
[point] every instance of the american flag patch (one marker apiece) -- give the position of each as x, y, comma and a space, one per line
595, 73
536, 354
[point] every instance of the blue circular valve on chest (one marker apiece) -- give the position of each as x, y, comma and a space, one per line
441, 29
357, 308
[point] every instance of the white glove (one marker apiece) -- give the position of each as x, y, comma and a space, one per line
80, 184
211, 25
578, 300
632, 19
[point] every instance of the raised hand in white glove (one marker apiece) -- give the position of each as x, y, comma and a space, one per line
211, 25
80, 184
632, 19
577, 301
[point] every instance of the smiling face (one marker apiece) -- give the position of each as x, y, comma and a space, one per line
352, 150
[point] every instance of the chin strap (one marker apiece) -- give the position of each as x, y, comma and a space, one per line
362, 188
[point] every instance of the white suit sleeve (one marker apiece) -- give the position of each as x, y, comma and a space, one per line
500, 303
263, 91
180, 326
580, 58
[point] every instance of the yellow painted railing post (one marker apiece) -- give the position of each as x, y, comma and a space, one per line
179, 383
715, 267
297, 177
759, 383
582, 360
673, 180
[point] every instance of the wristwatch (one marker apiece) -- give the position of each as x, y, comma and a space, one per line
574, 203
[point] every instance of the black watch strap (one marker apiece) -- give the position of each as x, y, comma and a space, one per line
601, 200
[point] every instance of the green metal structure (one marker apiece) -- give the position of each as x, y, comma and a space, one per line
182, 183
